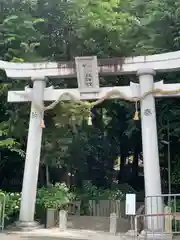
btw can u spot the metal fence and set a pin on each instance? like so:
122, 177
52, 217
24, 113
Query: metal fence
2, 210
161, 218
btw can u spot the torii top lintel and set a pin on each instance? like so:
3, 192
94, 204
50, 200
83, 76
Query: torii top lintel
110, 66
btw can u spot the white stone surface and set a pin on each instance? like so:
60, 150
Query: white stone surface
87, 74
62, 220
33, 150
113, 223
53, 94
159, 62
150, 152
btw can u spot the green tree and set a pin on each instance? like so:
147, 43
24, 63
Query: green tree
44, 30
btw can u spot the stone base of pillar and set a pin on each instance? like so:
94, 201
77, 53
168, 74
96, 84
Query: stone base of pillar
131, 233
148, 235
27, 226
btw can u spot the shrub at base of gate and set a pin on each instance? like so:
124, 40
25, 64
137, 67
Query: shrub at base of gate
91, 192
13, 201
12, 206
55, 197
50, 200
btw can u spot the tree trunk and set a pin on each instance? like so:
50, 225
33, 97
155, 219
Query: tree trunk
41, 177
110, 172
135, 162
47, 176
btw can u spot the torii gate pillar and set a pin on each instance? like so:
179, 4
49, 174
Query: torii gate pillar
31, 170
150, 151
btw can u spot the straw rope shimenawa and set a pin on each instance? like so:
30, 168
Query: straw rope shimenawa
113, 92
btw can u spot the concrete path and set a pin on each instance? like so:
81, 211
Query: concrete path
54, 234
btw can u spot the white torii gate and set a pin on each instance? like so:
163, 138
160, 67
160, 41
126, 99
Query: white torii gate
88, 88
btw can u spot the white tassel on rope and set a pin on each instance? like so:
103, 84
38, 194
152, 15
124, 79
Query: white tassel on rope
89, 120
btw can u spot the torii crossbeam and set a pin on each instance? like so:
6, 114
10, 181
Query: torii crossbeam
87, 72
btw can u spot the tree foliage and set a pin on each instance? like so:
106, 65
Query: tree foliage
44, 30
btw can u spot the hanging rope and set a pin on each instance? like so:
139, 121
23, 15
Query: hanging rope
113, 92
136, 115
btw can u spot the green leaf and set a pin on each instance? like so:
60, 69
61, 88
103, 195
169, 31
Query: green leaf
15, 59
10, 19
38, 20
7, 142
9, 39
28, 24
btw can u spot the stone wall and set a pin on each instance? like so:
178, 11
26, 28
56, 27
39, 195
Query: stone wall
96, 223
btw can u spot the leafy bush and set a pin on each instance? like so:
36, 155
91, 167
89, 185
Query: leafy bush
12, 203
56, 197
91, 192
